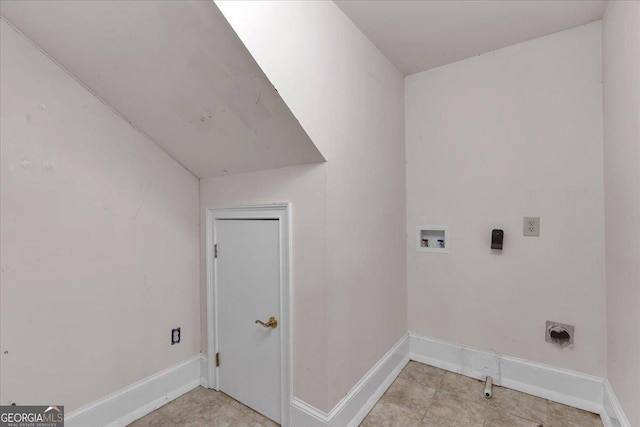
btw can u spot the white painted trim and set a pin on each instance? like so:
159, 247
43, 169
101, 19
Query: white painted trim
559, 385
303, 414
355, 406
137, 400
204, 371
375, 383
211, 308
612, 414
564, 386
556, 384
282, 212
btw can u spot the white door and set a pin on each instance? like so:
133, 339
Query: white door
248, 289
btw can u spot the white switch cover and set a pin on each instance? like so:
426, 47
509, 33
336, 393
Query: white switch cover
531, 226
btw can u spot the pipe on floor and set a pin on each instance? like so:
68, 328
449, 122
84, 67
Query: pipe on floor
488, 388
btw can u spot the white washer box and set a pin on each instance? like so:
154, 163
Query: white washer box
432, 238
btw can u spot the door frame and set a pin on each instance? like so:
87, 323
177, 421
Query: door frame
281, 212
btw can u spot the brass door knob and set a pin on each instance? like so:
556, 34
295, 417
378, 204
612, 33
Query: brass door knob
272, 323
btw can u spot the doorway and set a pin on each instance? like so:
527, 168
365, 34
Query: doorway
248, 306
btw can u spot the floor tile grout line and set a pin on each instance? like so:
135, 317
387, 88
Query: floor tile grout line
433, 398
483, 411
487, 406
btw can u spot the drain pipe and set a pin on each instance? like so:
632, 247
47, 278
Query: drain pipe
488, 388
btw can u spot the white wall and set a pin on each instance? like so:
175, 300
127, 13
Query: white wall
177, 71
99, 241
305, 188
512, 133
621, 62
349, 99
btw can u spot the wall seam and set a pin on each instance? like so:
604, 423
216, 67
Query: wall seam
106, 104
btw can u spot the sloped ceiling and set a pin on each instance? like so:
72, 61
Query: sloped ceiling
418, 35
177, 71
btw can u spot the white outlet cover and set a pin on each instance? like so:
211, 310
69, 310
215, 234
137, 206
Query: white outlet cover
531, 226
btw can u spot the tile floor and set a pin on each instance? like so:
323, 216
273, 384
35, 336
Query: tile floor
203, 407
421, 396
424, 396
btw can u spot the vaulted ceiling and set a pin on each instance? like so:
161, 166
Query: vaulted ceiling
418, 35
175, 70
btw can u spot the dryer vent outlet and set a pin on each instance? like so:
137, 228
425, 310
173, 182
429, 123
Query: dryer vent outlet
559, 334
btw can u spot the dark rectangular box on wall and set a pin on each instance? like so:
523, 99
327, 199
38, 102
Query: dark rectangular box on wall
497, 237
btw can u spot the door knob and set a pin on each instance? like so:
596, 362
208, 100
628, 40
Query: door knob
272, 323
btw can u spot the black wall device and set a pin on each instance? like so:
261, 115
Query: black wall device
496, 239
175, 336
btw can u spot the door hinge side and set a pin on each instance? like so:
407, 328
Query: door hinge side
217, 359
215, 250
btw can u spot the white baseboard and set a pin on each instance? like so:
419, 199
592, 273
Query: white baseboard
139, 399
355, 406
204, 371
571, 388
559, 385
612, 414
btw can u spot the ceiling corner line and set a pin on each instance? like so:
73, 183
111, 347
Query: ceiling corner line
99, 98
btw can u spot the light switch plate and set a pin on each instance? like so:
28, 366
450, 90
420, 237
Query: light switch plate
531, 226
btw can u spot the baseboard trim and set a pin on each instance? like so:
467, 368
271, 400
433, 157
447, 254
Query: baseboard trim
303, 414
564, 386
612, 414
139, 399
559, 385
204, 370
355, 406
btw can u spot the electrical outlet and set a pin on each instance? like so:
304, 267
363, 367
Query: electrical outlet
175, 336
531, 226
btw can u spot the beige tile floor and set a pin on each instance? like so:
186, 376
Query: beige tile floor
424, 396
203, 407
421, 396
